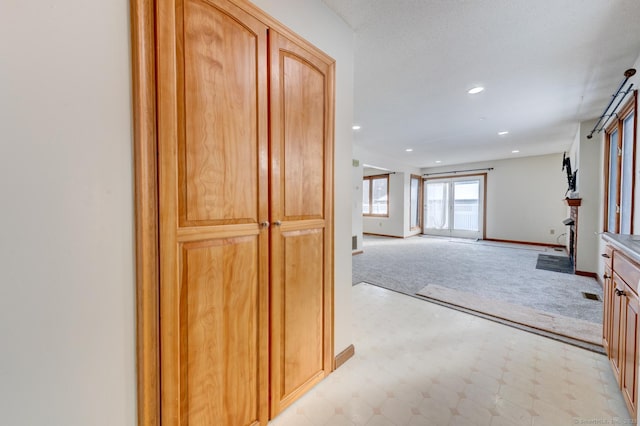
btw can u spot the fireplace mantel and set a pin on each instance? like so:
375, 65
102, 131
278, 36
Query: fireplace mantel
573, 202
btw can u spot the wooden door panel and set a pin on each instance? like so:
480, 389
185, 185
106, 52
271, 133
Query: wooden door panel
630, 373
223, 109
298, 315
303, 89
219, 326
301, 101
301, 105
607, 308
615, 343
302, 309
213, 193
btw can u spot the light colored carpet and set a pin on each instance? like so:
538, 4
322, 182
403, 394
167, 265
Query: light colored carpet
494, 271
573, 328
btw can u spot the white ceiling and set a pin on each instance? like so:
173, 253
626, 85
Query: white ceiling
546, 65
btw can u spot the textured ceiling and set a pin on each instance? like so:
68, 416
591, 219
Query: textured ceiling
546, 65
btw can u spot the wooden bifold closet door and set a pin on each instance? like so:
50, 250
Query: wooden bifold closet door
245, 148
301, 206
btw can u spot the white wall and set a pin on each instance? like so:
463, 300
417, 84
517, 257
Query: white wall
588, 163
67, 292
312, 20
524, 198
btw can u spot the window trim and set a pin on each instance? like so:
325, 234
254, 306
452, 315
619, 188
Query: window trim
420, 212
618, 125
453, 175
371, 179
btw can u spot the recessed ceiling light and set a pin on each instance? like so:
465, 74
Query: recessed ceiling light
515, 151
504, 132
356, 127
438, 161
475, 90
409, 149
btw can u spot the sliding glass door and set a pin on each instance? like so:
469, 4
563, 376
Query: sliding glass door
454, 207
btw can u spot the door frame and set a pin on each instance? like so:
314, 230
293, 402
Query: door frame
420, 202
483, 176
145, 147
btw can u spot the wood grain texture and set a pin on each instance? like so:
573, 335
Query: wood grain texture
629, 382
621, 323
191, 91
167, 185
220, 332
196, 127
301, 105
608, 300
302, 309
616, 342
344, 356
303, 138
224, 108
628, 270
146, 210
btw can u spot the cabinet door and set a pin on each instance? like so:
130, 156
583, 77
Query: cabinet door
617, 323
607, 319
301, 100
213, 146
629, 382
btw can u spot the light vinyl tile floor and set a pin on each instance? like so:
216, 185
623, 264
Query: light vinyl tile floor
419, 363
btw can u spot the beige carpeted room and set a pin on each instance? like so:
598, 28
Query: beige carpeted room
496, 280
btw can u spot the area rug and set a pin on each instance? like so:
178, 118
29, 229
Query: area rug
572, 328
554, 263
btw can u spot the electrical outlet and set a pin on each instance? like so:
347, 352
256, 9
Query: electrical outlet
552, 231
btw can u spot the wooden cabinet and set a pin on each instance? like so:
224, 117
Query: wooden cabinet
607, 290
629, 355
621, 321
245, 152
301, 147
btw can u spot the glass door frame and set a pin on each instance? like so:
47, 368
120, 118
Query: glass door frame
482, 208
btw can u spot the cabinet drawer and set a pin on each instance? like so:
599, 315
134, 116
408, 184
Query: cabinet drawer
627, 270
607, 256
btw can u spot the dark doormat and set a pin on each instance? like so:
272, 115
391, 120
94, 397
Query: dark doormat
554, 263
